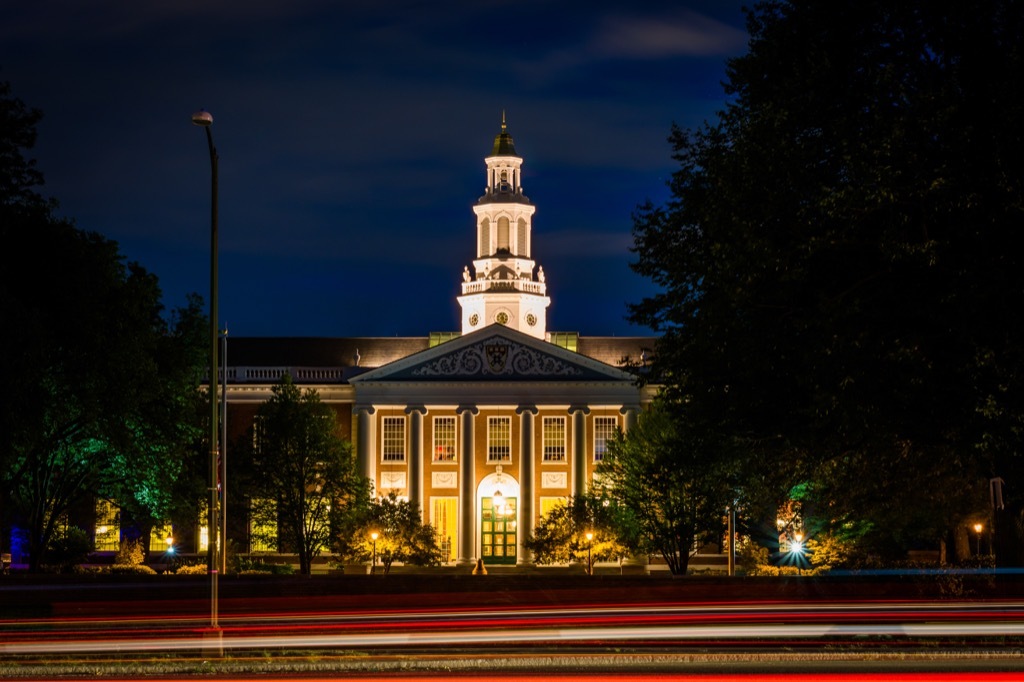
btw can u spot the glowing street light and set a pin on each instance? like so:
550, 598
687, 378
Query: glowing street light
373, 536
977, 532
796, 548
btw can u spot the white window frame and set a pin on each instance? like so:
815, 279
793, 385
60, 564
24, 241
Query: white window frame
445, 435
553, 440
392, 439
494, 433
604, 431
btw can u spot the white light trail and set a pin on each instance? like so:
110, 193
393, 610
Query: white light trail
512, 637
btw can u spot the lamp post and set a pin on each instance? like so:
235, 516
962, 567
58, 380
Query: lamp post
373, 566
204, 119
590, 556
977, 532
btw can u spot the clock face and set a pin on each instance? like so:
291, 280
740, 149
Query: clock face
531, 319
474, 320
501, 318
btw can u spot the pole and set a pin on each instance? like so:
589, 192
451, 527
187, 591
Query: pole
732, 541
214, 449
205, 120
224, 452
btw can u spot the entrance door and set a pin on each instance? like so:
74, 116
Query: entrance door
498, 531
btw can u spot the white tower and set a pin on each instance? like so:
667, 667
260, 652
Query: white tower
502, 289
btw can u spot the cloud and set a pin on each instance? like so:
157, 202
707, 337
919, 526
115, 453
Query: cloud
682, 33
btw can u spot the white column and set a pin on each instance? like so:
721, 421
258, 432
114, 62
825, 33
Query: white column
416, 413
467, 488
525, 520
579, 448
631, 413
366, 445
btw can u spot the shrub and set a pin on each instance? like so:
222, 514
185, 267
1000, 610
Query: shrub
829, 549
131, 569
191, 569
79, 569
752, 557
130, 553
250, 566
69, 549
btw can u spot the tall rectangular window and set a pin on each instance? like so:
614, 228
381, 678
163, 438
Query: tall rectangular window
444, 439
161, 537
499, 439
393, 439
553, 430
108, 527
204, 528
445, 520
604, 431
549, 504
263, 525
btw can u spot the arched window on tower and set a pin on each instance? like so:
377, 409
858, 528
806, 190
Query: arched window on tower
503, 234
522, 239
483, 242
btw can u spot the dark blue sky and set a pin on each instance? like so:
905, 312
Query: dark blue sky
351, 138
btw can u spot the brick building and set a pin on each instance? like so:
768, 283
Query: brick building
485, 428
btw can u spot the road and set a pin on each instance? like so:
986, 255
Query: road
530, 628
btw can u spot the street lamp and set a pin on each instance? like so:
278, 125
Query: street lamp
204, 119
797, 549
590, 559
373, 566
977, 532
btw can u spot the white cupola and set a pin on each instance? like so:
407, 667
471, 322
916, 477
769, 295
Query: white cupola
501, 287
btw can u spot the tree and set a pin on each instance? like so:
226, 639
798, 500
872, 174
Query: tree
842, 285
675, 493
18, 176
401, 536
163, 476
301, 473
562, 534
98, 380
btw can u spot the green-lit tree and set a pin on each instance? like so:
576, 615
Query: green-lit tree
676, 492
97, 379
162, 471
584, 529
301, 474
400, 535
841, 265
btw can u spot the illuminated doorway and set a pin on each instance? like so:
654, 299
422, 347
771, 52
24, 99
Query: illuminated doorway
498, 530
498, 496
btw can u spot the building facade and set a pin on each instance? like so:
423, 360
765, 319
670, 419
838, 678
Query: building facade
483, 429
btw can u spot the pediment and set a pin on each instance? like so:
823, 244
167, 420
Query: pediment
495, 353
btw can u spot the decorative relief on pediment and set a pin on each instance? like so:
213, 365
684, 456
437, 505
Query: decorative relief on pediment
498, 357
